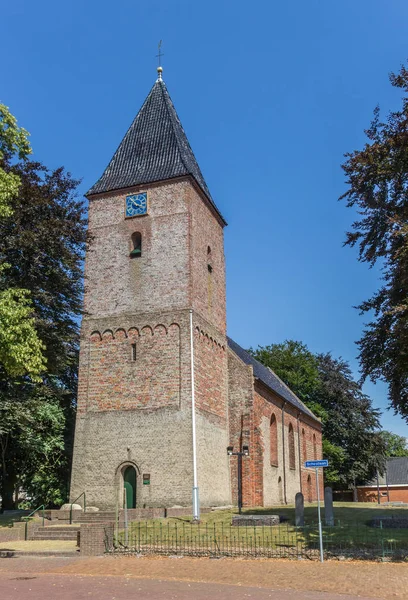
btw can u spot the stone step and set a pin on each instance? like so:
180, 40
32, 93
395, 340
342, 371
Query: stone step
68, 535
94, 517
55, 532
62, 528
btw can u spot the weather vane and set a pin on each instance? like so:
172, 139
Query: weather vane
160, 68
160, 53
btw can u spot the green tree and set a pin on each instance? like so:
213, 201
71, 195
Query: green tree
43, 243
350, 425
377, 177
13, 143
295, 365
21, 350
395, 445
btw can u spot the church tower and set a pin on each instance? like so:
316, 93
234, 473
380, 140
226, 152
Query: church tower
154, 323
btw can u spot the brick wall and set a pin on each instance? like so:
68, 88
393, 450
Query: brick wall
152, 380
396, 494
96, 538
207, 250
12, 534
210, 359
116, 284
267, 480
240, 396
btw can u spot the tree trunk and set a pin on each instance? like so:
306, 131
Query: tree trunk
8, 480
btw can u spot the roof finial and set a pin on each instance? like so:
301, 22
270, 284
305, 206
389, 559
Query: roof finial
159, 68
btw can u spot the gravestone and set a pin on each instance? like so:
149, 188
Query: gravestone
328, 506
299, 510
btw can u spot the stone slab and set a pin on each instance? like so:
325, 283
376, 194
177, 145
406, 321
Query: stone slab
255, 520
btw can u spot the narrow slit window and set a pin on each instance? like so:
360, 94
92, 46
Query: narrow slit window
273, 432
292, 460
133, 353
136, 250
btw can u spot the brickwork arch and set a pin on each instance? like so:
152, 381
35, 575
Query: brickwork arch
119, 479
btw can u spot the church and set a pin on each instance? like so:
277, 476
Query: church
163, 391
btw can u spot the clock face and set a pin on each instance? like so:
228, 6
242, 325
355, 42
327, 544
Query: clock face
136, 205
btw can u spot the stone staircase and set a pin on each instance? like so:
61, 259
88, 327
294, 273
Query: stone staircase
57, 532
102, 516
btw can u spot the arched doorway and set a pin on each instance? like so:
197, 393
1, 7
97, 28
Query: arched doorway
129, 483
309, 489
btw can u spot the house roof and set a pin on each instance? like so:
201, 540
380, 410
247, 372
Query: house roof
155, 148
397, 471
269, 378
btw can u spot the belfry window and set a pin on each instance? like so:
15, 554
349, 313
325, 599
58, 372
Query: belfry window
136, 250
209, 261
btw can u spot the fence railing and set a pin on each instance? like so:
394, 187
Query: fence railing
28, 517
275, 541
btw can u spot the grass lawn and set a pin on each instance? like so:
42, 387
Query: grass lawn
39, 546
214, 533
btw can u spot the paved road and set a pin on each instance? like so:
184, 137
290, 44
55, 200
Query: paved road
40, 586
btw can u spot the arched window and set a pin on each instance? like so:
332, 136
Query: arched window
314, 447
304, 445
292, 463
273, 433
136, 250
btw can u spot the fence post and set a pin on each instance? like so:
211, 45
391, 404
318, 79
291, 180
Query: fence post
126, 519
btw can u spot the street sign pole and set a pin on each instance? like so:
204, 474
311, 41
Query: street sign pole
318, 512
318, 464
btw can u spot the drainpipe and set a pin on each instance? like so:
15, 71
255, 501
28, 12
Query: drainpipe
300, 457
284, 451
196, 503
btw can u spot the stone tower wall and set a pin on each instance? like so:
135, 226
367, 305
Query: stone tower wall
134, 399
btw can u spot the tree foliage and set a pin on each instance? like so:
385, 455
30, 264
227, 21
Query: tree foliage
13, 143
395, 445
20, 347
42, 241
377, 177
351, 439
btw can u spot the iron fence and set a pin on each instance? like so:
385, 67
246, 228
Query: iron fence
185, 538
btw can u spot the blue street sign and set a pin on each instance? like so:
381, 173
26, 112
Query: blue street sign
316, 463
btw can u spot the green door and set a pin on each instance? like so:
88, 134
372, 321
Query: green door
129, 478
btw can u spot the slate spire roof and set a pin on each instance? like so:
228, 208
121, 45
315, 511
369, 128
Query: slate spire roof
155, 148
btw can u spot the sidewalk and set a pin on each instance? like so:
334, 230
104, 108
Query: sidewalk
387, 581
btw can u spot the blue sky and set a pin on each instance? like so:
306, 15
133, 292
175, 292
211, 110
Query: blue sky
271, 95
